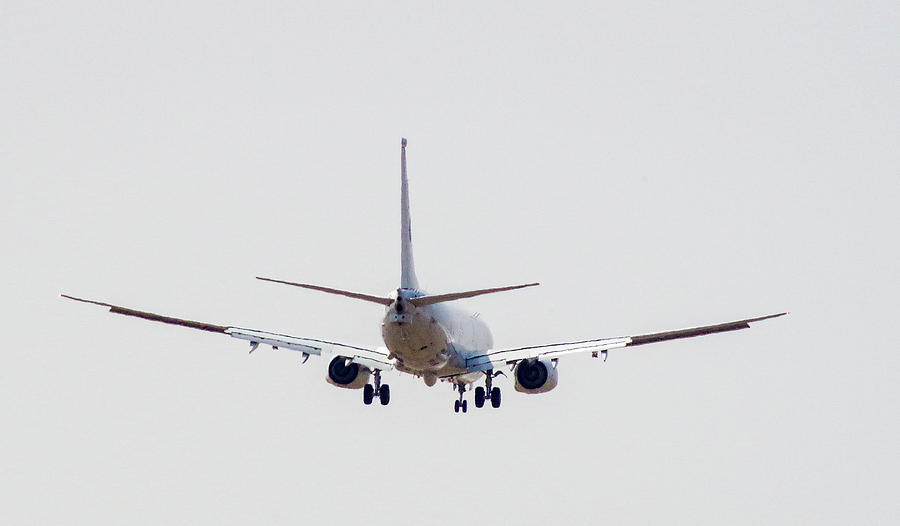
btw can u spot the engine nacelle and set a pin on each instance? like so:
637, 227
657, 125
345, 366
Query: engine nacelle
536, 376
352, 376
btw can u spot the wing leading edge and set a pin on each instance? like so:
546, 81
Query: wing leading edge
366, 357
494, 359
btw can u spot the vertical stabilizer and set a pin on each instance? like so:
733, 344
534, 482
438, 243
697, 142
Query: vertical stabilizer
408, 278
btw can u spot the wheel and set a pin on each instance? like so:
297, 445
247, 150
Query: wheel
384, 394
456, 406
465, 406
368, 394
479, 397
495, 397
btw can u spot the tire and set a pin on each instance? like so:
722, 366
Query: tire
368, 394
479, 397
465, 406
456, 406
384, 394
495, 397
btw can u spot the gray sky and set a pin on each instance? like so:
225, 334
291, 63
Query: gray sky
653, 167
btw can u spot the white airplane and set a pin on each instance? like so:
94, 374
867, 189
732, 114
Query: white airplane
426, 337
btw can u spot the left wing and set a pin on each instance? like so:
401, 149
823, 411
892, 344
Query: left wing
366, 357
495, 359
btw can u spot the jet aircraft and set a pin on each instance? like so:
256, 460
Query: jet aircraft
428, 337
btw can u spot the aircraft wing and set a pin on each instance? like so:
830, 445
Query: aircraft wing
370, 358
496, 359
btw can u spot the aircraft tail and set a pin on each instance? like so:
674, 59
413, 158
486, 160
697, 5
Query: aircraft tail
408, 278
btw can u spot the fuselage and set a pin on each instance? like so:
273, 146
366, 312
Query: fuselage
433, 341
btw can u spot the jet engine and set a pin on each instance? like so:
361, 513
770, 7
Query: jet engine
536, 376
347, 375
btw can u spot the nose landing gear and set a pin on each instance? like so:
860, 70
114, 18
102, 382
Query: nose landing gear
460, 404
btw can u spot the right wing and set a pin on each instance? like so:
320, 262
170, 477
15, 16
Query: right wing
496, 359
370, 358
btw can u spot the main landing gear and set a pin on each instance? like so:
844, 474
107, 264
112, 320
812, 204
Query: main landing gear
481, 394
383, 392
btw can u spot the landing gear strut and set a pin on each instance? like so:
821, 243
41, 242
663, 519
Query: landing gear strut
383, 392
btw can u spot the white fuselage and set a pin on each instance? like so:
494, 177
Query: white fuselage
433, 341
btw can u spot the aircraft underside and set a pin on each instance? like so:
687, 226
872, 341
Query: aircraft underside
421, 346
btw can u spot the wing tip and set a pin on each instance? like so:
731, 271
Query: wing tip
82, 300
769, 317
273, 280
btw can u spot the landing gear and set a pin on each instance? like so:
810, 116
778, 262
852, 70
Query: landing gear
495, 397
490, 393
383, 392
482, 394
479, 397
460, 404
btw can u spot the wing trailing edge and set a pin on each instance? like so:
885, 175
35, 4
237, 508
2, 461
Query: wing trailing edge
699, 331
115, 309
371, 358
494, 359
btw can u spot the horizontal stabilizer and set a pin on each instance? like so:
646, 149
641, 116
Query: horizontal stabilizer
355, 295
421, 301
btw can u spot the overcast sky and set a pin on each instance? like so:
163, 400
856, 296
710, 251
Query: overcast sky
653, 166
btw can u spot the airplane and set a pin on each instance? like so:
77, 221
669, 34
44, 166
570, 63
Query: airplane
427, 337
